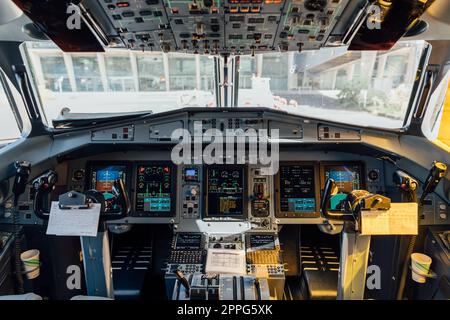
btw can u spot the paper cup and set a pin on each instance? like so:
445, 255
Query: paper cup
30, 260
420, 267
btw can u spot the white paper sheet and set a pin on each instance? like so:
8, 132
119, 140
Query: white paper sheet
400, 219
225, 261
73, 222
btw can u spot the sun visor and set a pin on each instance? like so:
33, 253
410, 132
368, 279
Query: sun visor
63, 23
386, 21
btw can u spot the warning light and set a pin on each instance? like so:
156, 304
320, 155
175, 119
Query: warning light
166, 169
141, 169
122, 4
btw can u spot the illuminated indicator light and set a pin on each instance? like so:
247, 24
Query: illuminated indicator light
233, 9
141, 169
122, 4
214, 10
257, 1
256, 9
245, 9
269, 1
234, 1
245, 1
166, 169
277, 1
193, 6
175, 10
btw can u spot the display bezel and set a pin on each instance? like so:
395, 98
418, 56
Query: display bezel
290, 214
362, 171
173, 194
242, 167
92, 165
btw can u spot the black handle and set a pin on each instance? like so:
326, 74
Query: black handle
23, 170
437, 172
43, 186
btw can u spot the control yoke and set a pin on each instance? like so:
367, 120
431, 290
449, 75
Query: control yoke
437, 172
120, 196
353, 204
45, 184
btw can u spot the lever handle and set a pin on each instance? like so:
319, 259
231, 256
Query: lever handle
184, 282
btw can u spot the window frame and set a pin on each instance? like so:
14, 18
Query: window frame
13, 105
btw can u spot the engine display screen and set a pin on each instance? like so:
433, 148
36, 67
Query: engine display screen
347, 179
188, 241
155, 189
262, 242
297, 192
225, 191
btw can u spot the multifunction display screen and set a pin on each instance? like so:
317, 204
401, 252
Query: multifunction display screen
155, 189
103, 176
347, 179
297, 188
188, 241
225, 191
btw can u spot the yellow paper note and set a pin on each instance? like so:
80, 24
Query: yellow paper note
400, 219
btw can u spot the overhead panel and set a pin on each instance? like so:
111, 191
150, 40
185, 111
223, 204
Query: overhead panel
218, 26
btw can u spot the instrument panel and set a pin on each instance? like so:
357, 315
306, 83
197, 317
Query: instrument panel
162, 192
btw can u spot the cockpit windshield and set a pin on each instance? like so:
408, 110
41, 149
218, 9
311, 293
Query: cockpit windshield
366, 88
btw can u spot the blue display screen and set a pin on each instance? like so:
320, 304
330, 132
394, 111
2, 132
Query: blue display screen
302, 204
103, 177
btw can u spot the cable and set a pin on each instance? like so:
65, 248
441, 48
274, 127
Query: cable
17, 250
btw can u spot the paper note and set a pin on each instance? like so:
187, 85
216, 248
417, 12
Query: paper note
225, 261
73, 222
400, 219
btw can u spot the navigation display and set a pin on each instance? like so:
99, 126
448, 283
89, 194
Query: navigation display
155, 189
347, 179
297, 190
225, 191
188, 241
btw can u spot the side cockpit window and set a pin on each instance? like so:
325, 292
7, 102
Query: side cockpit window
9, 127
436, 123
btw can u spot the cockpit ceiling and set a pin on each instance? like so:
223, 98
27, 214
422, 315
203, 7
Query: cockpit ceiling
223, 26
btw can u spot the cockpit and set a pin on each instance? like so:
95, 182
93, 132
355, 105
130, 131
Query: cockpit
245, 150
